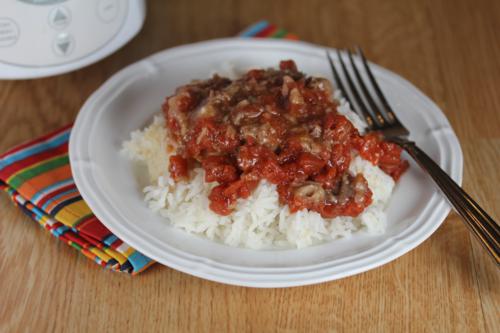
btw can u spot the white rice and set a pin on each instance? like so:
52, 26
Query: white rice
259, 221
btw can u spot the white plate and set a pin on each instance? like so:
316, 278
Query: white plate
109, 183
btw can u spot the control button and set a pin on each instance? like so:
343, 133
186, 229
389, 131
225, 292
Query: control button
59, 17
108, 10
9, 32
64, 44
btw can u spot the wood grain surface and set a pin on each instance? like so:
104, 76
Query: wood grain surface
449, 49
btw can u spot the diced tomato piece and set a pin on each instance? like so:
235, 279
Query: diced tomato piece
241, 188
209, 136
337, 128
328, 178
255, 73
369, 147
391, 162
271, 170
310, 164
288, 65
250, 155
219, 169
178, 167
386, 155
220, 202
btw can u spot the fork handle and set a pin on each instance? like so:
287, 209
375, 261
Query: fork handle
476, 219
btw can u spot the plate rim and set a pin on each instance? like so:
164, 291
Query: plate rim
228, 273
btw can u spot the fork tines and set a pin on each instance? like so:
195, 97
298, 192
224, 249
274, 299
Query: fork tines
372, 106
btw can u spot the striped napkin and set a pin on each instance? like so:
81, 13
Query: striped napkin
37, 177
264, 29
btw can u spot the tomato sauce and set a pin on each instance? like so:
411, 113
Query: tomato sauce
277, 125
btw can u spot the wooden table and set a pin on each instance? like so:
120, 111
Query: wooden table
449, 49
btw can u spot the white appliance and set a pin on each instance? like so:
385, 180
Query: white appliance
47, 37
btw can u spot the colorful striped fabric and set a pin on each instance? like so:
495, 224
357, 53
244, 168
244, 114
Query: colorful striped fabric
37, 177
264, 29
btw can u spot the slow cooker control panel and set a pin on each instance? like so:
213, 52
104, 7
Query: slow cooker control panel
35, 33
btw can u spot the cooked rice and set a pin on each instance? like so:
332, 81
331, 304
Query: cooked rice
259, 221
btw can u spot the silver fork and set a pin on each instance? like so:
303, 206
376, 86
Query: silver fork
384, 120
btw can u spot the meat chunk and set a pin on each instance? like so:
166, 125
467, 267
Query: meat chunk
264, 134
351, 188
244, 113
176, 117
310, 193
320, 84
